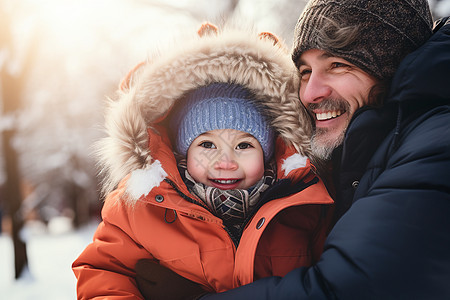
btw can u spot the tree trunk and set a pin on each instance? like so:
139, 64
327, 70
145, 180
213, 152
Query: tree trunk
13, 202
12, 188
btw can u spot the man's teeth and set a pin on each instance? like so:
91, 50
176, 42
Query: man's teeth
328, 115
226, 181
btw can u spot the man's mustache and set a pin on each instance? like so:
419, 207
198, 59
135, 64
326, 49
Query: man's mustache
330, 104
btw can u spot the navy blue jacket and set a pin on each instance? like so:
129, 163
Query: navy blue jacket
393, 238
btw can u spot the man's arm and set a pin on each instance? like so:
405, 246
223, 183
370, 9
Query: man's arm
394, 241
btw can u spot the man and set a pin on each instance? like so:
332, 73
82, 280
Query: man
375, 78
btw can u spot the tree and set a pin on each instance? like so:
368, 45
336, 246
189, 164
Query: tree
11, 86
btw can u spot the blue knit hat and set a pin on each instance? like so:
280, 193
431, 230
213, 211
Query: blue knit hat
220, 106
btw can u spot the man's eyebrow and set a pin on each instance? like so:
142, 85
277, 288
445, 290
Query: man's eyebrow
326, 55
323, 56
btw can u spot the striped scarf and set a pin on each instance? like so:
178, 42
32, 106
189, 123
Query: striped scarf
232, 206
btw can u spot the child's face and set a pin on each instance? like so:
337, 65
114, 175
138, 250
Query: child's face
226, 159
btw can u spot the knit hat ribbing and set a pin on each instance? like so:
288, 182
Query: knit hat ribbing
388, 31
220, 106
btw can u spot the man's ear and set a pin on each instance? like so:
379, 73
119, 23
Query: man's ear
207, 29
126, 81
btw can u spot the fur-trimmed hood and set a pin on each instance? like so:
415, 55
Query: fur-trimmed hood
258, 62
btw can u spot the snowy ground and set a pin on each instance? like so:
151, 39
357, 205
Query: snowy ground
50, 255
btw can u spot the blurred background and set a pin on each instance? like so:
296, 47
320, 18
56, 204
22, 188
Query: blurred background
59, 61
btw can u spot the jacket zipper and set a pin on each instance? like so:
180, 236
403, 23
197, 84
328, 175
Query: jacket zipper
184, 196
266, 199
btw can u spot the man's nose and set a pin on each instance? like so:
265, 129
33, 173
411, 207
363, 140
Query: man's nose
226, 162
315, 89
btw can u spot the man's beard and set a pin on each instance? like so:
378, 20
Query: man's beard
324, 150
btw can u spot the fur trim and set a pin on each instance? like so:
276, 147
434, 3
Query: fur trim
230, 56
141, 182
293, 162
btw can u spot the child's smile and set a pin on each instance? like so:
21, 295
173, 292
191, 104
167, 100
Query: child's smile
225, 184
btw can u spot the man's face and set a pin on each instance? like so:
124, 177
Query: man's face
331, 89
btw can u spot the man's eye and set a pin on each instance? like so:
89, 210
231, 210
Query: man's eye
244, 146
304, 73
209, 145
339, 65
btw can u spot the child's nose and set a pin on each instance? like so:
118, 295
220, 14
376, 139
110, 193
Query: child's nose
226, 162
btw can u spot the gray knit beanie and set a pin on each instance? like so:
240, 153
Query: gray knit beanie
220, 106
388, 31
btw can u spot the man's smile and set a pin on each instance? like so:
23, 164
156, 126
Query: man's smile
322, 116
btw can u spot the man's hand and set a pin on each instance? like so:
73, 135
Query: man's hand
157, 282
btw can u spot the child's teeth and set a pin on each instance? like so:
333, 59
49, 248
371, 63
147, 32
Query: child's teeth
226, 181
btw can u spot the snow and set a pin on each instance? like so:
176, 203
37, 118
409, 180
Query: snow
51, 251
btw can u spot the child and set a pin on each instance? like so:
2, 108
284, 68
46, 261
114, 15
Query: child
235, 199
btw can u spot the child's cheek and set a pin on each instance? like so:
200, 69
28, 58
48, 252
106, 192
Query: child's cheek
254, 169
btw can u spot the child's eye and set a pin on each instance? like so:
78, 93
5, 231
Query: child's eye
244, 146
209, 145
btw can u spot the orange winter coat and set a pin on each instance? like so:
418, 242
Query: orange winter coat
285, 233
149, 213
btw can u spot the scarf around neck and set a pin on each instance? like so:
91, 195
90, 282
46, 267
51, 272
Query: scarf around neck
232, 206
